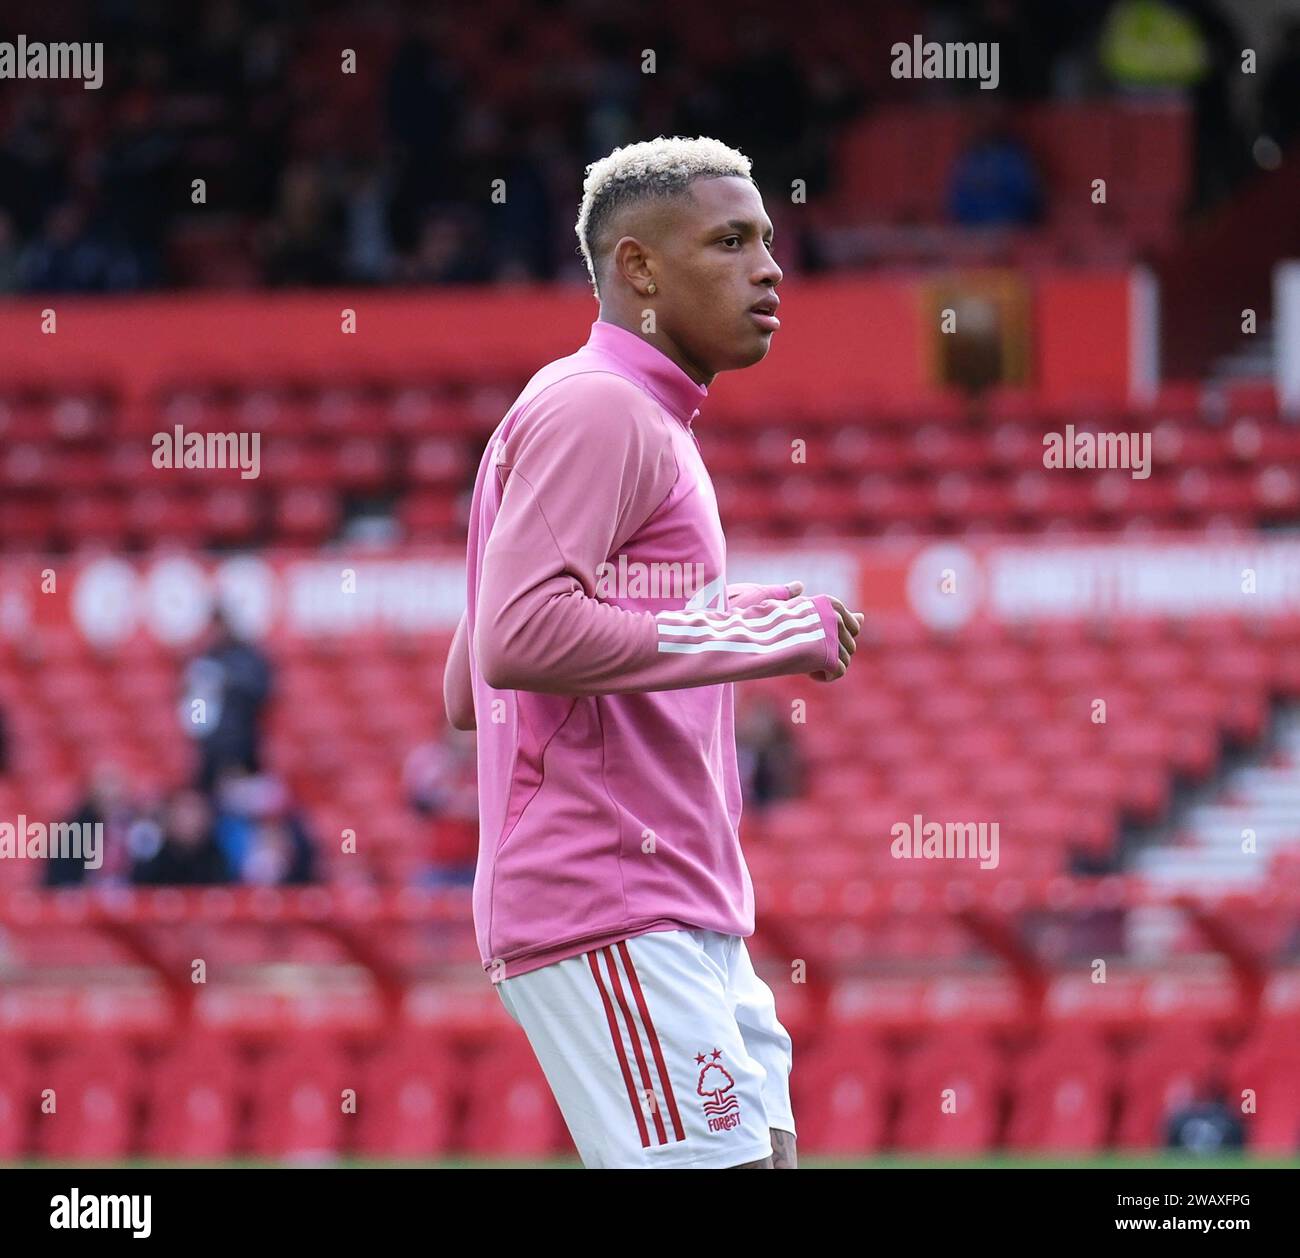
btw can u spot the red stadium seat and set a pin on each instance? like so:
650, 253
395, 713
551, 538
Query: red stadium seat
19, 1097
510, 1109
407, 1098
297, 1101
1169, 1069
94, 1086
1061, 1093
194, 1100
1265, 1071
950, 1092
841, 1094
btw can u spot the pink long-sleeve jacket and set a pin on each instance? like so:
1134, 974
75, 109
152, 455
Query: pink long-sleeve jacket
597, 656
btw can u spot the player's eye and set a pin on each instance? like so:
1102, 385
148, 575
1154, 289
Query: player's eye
727, 238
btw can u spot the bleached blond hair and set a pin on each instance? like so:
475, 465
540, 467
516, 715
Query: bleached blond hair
660, 168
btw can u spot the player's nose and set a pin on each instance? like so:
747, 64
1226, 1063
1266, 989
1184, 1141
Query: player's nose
769, 273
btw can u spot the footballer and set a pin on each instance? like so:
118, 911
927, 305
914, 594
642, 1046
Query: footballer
611, 897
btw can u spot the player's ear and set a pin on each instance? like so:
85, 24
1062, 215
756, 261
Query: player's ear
631, 264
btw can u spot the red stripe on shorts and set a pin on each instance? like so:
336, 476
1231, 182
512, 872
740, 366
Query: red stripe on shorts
619, 1051
654, 1041
646, 1085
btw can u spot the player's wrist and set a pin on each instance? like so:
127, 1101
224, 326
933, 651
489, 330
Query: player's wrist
829, 654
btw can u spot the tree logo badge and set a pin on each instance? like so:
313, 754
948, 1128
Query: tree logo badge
715, 1084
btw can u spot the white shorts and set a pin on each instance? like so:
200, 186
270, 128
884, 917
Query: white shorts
663, 1050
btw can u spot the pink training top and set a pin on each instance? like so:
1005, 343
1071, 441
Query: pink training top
609, 797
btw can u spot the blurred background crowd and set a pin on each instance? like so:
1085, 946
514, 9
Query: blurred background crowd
383, 176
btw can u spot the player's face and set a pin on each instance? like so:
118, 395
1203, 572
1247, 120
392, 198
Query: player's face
716, 266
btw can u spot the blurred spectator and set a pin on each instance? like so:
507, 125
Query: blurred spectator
450, 250
766, 100
994, 183
106, 803
368, 253
74, 256
1188, 47
33, 176
522, 228
261, 835
1152, 44
1029, 36
1281, 97
232, 679
768, 759
9, 255
1088, 861
423, 105
136, 176
96, 186
1209, 1125
183, 850
1220, 150
303, 243
440, 780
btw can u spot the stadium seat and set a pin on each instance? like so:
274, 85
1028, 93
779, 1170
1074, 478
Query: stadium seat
1168, 1069
19, 1097
408, 1097
950, 1094
194, 1099
510, 1111
1061, 1093
841, 1094
95, 1086
297, 1101
1267, 1066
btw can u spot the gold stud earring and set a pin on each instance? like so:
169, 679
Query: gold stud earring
651, 287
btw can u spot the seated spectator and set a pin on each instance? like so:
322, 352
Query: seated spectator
440, 781
1152, 44
302, 245
1280, 99
1207, 1124
183, 850
106, 803
994, 183
448, 250
768, 760
75, 255
260, 833
10, 253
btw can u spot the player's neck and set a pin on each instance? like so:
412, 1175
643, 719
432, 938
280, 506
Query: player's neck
662, 342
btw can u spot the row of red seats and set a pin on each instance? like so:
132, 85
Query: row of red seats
448, 462
933, 728
421, 1094
1071, 1092
470, 408
810, 506
1026, 501
895, 164
909, 449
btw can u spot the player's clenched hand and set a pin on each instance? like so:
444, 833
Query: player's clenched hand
850, 624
